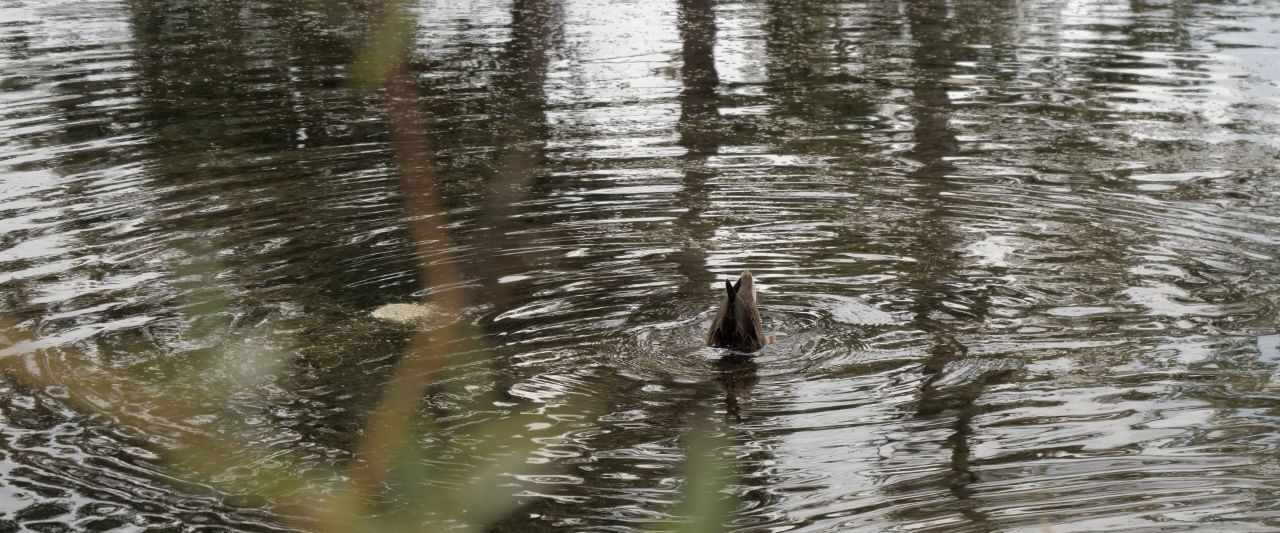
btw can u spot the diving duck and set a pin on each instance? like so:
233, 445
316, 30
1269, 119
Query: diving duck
737, 323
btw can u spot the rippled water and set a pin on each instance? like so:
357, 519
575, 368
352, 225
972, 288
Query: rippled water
1019, 258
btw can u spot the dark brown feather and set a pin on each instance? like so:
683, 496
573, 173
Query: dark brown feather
737, 323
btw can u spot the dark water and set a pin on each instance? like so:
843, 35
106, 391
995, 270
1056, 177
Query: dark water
1020, 258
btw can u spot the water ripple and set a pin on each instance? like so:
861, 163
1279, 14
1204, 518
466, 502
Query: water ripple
1018, 261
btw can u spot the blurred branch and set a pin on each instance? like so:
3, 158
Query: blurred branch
702, 503
389, 424
385, 52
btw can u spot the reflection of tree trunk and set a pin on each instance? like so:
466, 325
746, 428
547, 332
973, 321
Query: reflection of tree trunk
698, 103
935, 141
799, 65
699, 135
520, 123
520, 104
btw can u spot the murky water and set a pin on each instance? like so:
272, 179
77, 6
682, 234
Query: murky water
1020, 258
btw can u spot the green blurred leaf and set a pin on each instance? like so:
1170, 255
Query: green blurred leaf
704, 505
385, 50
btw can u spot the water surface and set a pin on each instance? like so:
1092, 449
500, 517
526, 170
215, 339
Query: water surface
1019, 258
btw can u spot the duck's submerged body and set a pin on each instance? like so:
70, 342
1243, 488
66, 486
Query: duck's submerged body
736, 325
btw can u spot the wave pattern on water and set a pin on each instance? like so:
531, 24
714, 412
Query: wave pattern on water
1020, 258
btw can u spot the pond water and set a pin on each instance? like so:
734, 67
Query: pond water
1019, 257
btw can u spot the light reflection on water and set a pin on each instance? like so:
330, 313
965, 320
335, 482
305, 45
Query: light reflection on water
1019, 257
